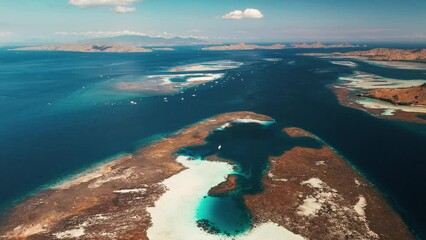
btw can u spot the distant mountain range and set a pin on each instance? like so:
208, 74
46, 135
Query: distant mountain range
243, 46
136, 43
125, 43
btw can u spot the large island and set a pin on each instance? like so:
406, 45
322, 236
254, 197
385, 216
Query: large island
309, 193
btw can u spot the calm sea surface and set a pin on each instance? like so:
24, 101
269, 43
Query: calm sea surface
59, 114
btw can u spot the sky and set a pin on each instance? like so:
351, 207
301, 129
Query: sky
215, 20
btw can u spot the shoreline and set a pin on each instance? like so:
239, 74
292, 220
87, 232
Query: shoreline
81, 172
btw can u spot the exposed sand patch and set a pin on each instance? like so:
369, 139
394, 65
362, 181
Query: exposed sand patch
207, 66
73, 233
314, 182
389, 107
309, 207
246, 120
360, 206
345, 63
362, 80
169, 83
312, 204
399, 64
134, 190
273, 59
388, 112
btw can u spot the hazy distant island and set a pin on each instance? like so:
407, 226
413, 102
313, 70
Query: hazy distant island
243, 46
137, 196
86, 48
130, 43
150, 41
125, 43
379, 54
321, 45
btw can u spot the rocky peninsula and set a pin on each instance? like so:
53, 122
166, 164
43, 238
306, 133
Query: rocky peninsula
390, 54
377, 55
400, 96
383, 97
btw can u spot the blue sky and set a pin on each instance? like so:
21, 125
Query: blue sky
268, 20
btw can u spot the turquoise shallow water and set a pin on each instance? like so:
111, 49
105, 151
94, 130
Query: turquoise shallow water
248, 146
225, 215
41, 142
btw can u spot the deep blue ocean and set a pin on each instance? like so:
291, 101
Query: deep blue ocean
59, 115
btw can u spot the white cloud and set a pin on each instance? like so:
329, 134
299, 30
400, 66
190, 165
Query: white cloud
122, 9
248, 13
5, 34
120, 6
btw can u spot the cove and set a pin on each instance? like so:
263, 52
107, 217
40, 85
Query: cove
248, 146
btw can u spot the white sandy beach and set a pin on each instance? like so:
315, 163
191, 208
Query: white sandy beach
173, 216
